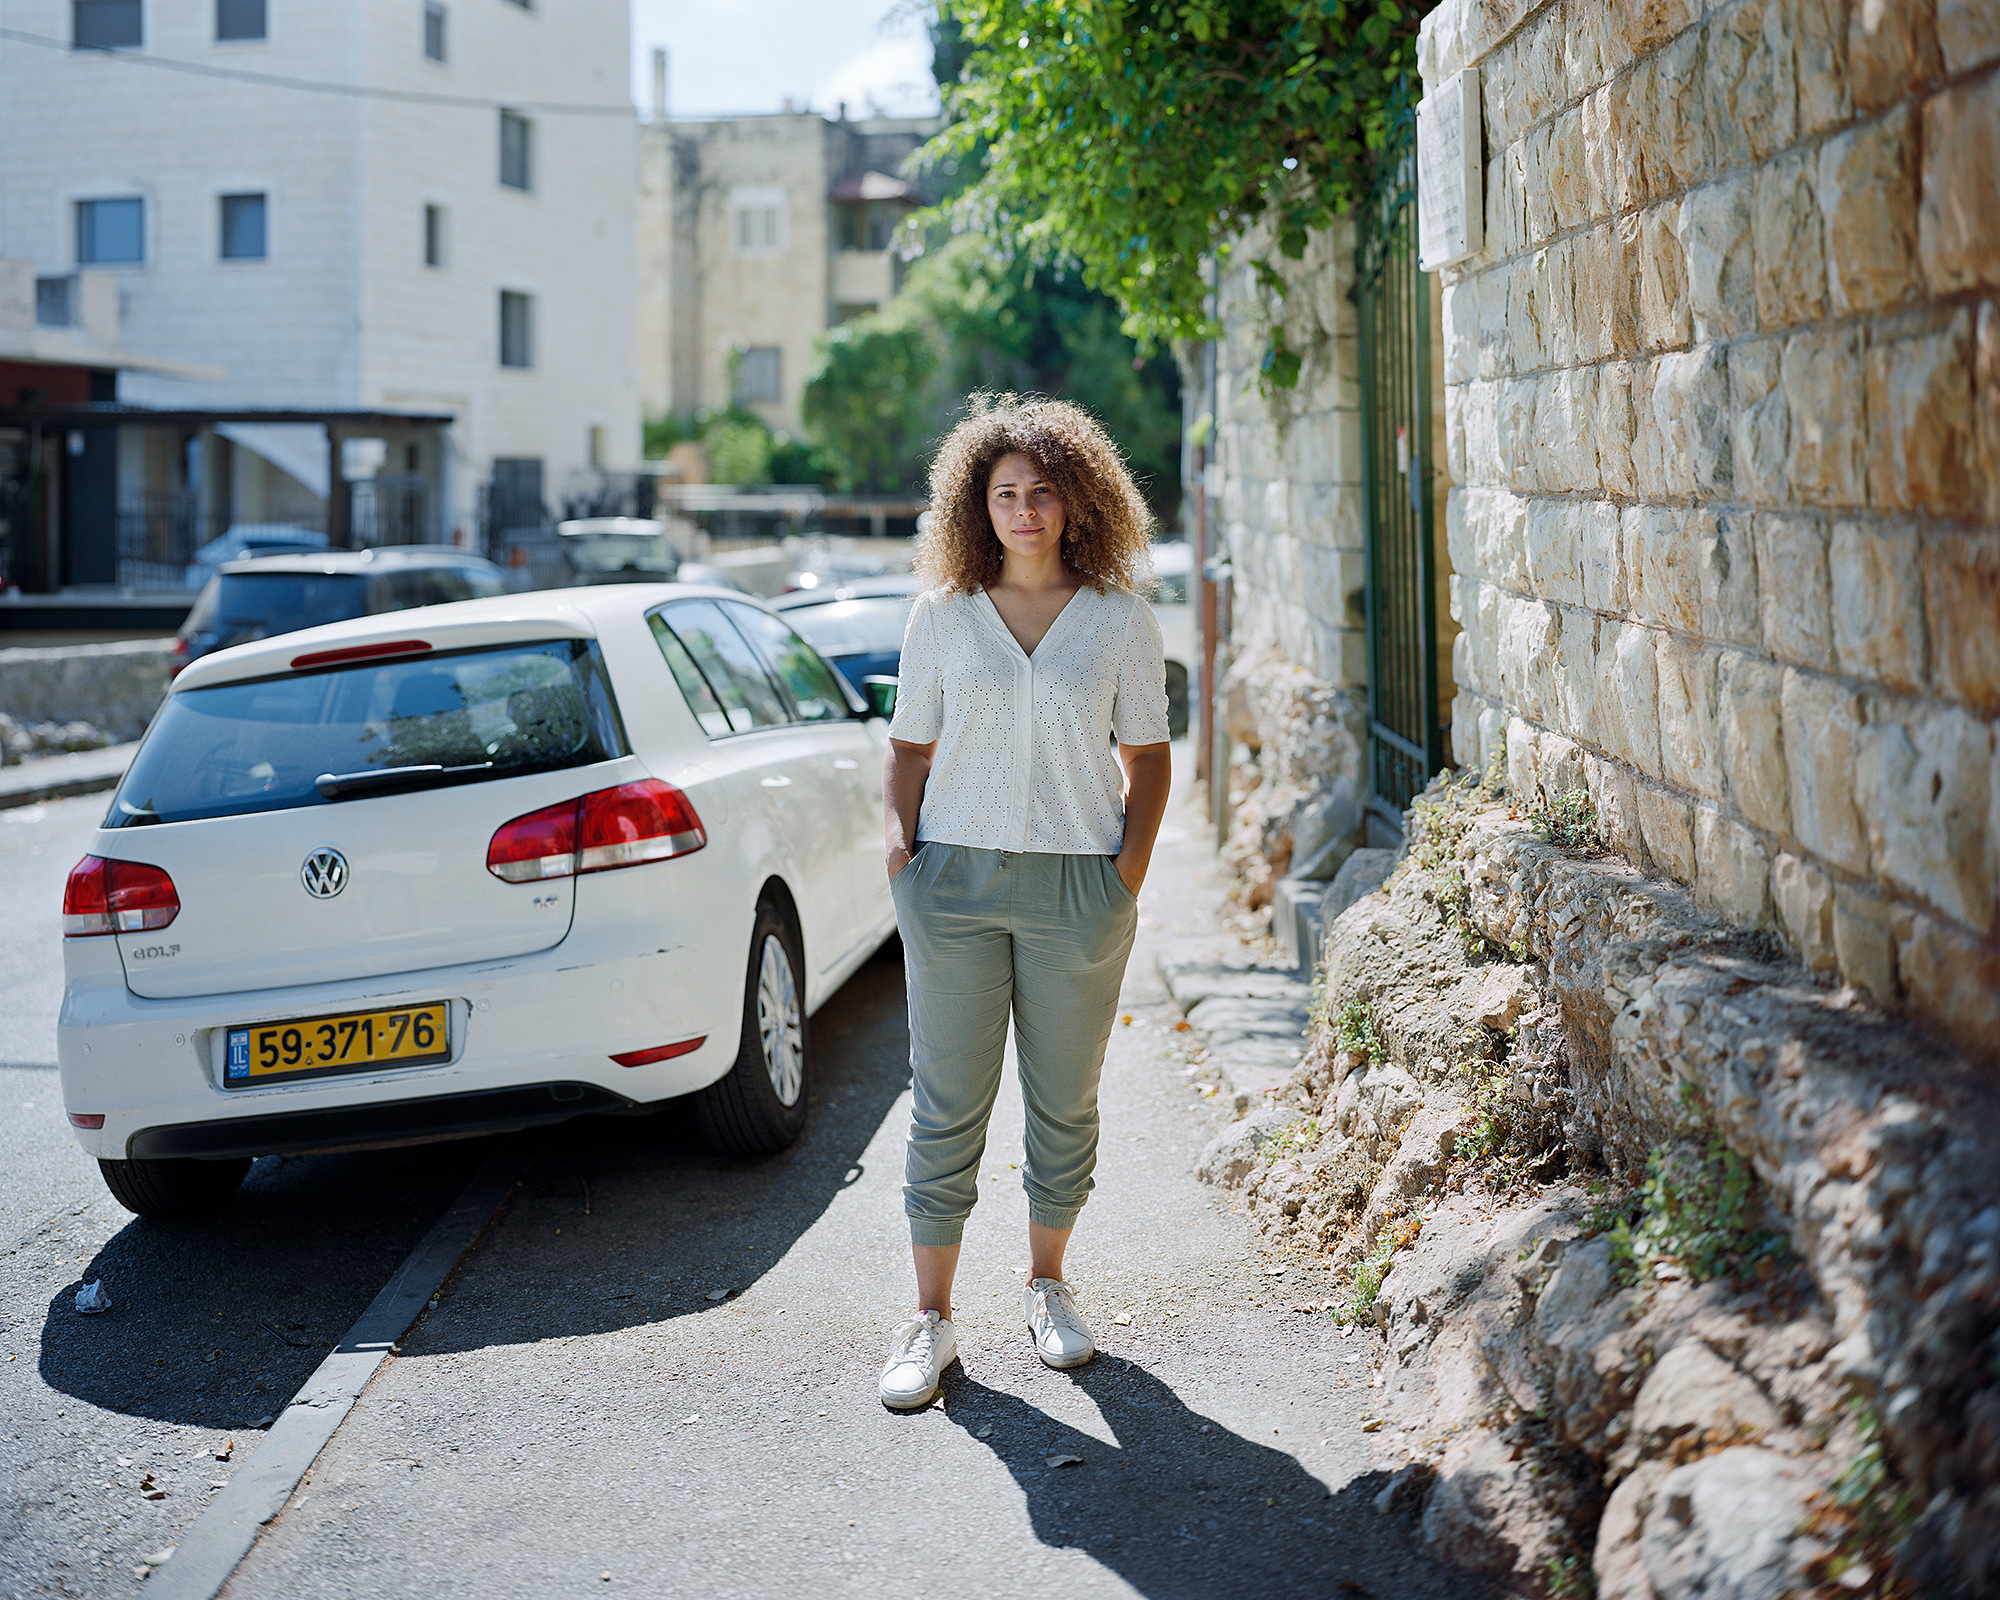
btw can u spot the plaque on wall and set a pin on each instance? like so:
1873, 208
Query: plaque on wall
1451, 189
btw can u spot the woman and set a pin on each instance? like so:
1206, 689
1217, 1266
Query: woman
1017, 838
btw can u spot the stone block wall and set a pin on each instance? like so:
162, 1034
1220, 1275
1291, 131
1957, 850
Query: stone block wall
1723, 400
1291, 496
114, 687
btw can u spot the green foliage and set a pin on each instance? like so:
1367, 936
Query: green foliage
1697, 1208
1493, 784
1375, 1266
1298, 1139
1570, 1577
741, 447
884, 387
1569, 821
869, 401
1138, 137
1354, 1029
738, 451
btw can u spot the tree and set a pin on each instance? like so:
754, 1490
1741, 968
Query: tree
868, 400
1138, 137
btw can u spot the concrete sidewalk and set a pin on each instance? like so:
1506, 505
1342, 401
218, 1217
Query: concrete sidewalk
58, 777
656, 1373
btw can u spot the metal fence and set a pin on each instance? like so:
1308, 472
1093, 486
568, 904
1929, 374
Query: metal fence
1406, 745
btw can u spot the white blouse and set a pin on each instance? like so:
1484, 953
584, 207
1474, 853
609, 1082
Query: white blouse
1025, 759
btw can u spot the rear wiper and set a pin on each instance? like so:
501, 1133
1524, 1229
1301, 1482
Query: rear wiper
339, 785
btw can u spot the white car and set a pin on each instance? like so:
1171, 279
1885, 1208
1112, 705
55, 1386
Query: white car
479, 867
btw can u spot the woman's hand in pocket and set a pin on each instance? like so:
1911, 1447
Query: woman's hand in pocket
1130, 873
897, 859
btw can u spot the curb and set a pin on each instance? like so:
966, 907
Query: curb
61, 777
1251, 1020
225, 1532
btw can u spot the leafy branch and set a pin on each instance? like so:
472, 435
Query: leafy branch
1138, 138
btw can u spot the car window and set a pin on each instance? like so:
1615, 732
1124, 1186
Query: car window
854, 627
480, 583
497, 712
730, 667
694, 687
809, 680
253, 605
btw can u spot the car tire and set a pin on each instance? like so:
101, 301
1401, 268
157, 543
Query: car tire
1177, 700
173, 1188
760, 1106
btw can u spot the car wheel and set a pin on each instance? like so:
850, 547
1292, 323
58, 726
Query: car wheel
172, 1188
1177, 700
760, 1106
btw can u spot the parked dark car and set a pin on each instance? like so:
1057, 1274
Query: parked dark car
859, 628
265, 595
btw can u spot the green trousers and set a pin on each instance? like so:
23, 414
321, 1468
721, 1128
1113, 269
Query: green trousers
987, 933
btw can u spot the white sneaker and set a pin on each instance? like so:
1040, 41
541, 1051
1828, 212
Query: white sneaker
918, 1354
1062, 1338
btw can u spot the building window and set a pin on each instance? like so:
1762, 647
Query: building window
110, 231
433, 236
239, 19
433, 31
243, 227
516, 140
757, 375
757, 226
104, 24
517, 329
55, 302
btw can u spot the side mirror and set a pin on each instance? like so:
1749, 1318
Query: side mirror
880, 694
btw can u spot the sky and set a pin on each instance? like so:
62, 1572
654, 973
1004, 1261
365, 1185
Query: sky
727, 56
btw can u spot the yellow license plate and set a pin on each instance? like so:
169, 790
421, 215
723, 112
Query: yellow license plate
404, 1036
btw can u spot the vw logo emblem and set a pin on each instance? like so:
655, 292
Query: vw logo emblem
325, 873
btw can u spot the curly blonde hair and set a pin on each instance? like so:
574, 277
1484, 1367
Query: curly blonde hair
1107, 530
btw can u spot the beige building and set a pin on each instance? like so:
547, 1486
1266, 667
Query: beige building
756, 234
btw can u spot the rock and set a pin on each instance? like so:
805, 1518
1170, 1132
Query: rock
1620, 1564
1323, 831
1694, 1393
1362, 873
1483, 1512
1503, 994
1722, 1528
1232, 1154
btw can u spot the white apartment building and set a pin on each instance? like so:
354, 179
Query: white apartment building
382, 207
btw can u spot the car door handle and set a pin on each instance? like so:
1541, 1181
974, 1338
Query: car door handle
776, 783
844, 765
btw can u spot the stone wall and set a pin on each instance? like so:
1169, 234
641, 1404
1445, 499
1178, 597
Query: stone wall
114, 687
1724, 396
1292, 498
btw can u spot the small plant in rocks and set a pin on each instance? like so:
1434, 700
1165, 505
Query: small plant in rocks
1568, 821
1697, 1210
1375, 1266
1354, 1029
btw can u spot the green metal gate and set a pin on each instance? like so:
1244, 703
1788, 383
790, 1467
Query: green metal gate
1406, 745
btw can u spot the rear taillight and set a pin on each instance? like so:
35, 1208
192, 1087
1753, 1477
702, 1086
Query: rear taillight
635, 822
540, 845
181, 657
621, 827
117, 897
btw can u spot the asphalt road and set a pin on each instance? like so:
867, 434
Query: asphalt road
216, 1322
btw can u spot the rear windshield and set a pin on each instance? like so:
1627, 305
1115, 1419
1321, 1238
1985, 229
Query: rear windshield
250, 604
243, 747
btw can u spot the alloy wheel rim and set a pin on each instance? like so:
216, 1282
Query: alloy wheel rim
779, 1023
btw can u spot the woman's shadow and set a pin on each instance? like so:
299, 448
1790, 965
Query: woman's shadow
1181, 1506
